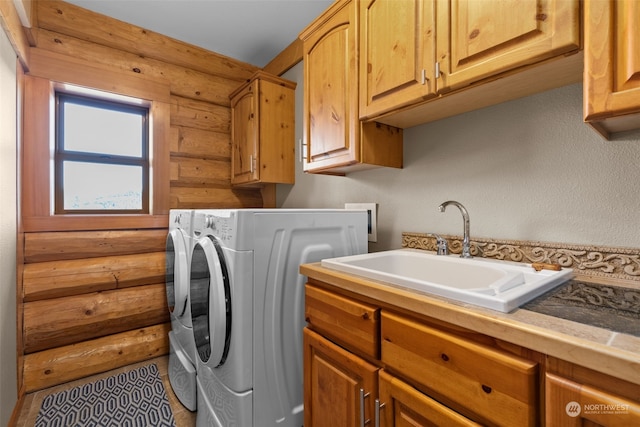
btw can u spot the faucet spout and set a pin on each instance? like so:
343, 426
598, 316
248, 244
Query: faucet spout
466, 246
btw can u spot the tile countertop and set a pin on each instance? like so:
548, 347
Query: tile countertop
602, 350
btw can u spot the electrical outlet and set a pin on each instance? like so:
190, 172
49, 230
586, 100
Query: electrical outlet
372, 211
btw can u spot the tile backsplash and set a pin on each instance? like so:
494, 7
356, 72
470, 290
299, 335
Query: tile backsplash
621, 265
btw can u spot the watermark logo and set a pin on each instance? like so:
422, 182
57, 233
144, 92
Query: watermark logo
573, 409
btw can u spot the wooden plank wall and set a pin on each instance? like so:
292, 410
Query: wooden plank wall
95, 300
92, 301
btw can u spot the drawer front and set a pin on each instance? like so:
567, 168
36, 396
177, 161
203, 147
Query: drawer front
404, 406
352, 324
485, 384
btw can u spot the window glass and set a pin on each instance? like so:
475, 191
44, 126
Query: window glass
100, 130
101, 156
94, 186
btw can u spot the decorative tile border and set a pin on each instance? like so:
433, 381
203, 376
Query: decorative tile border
605, 262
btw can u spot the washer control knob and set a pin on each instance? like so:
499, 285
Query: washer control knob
209, 222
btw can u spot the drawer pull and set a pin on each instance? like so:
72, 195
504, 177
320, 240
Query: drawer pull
444, 357
486, 388
363, 395
377, 412
365, 316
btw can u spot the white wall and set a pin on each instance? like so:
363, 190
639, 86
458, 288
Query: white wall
528, 169
8, 378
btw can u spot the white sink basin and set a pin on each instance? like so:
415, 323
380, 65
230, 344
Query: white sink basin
498, 285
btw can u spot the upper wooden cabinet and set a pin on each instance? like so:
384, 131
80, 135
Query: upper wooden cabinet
415, 50
397, 54
612, 65
480, 39
262, 131
336, 142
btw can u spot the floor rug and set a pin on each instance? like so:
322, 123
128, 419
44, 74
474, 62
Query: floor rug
135, 398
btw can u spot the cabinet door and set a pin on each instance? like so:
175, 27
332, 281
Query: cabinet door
244, 135
397, 53
404, 406
333, 378
612, 63
331, 123
480, 39
572, 404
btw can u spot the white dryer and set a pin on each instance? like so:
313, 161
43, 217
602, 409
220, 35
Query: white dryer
249, 334
182, 369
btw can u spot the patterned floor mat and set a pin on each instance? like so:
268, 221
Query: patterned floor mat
133, 398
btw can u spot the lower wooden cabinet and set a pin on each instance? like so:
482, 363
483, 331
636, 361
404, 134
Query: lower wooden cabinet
569, 403
339, 387
370, 363
342, 389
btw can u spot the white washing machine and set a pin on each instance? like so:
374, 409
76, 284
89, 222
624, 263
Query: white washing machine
249, 335
182, 362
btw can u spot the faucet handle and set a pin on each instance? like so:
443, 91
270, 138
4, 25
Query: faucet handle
441, 244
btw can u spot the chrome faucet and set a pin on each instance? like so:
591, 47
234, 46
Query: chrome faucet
466, 246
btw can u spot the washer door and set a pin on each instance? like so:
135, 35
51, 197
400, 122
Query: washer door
210, 301
177, 273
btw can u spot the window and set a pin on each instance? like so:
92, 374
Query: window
51, 75
101, 159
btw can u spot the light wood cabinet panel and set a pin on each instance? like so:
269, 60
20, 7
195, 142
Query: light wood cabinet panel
478, 39
397, 54
244, 135
262, 131
331, 90
477, 380
612, 65
404, 406
569, 404
333, 133
351, 323
423, 60
333, 378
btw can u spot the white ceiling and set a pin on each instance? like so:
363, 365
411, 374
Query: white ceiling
252, 31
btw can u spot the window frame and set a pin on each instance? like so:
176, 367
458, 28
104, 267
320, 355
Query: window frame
61, 154
49, 72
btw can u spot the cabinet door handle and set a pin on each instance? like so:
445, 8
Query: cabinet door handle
363, 395
377, 412
251, 163
437, 70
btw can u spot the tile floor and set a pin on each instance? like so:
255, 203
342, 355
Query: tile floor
32, 401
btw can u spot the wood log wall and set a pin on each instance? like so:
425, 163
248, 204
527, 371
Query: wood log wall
95, 300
